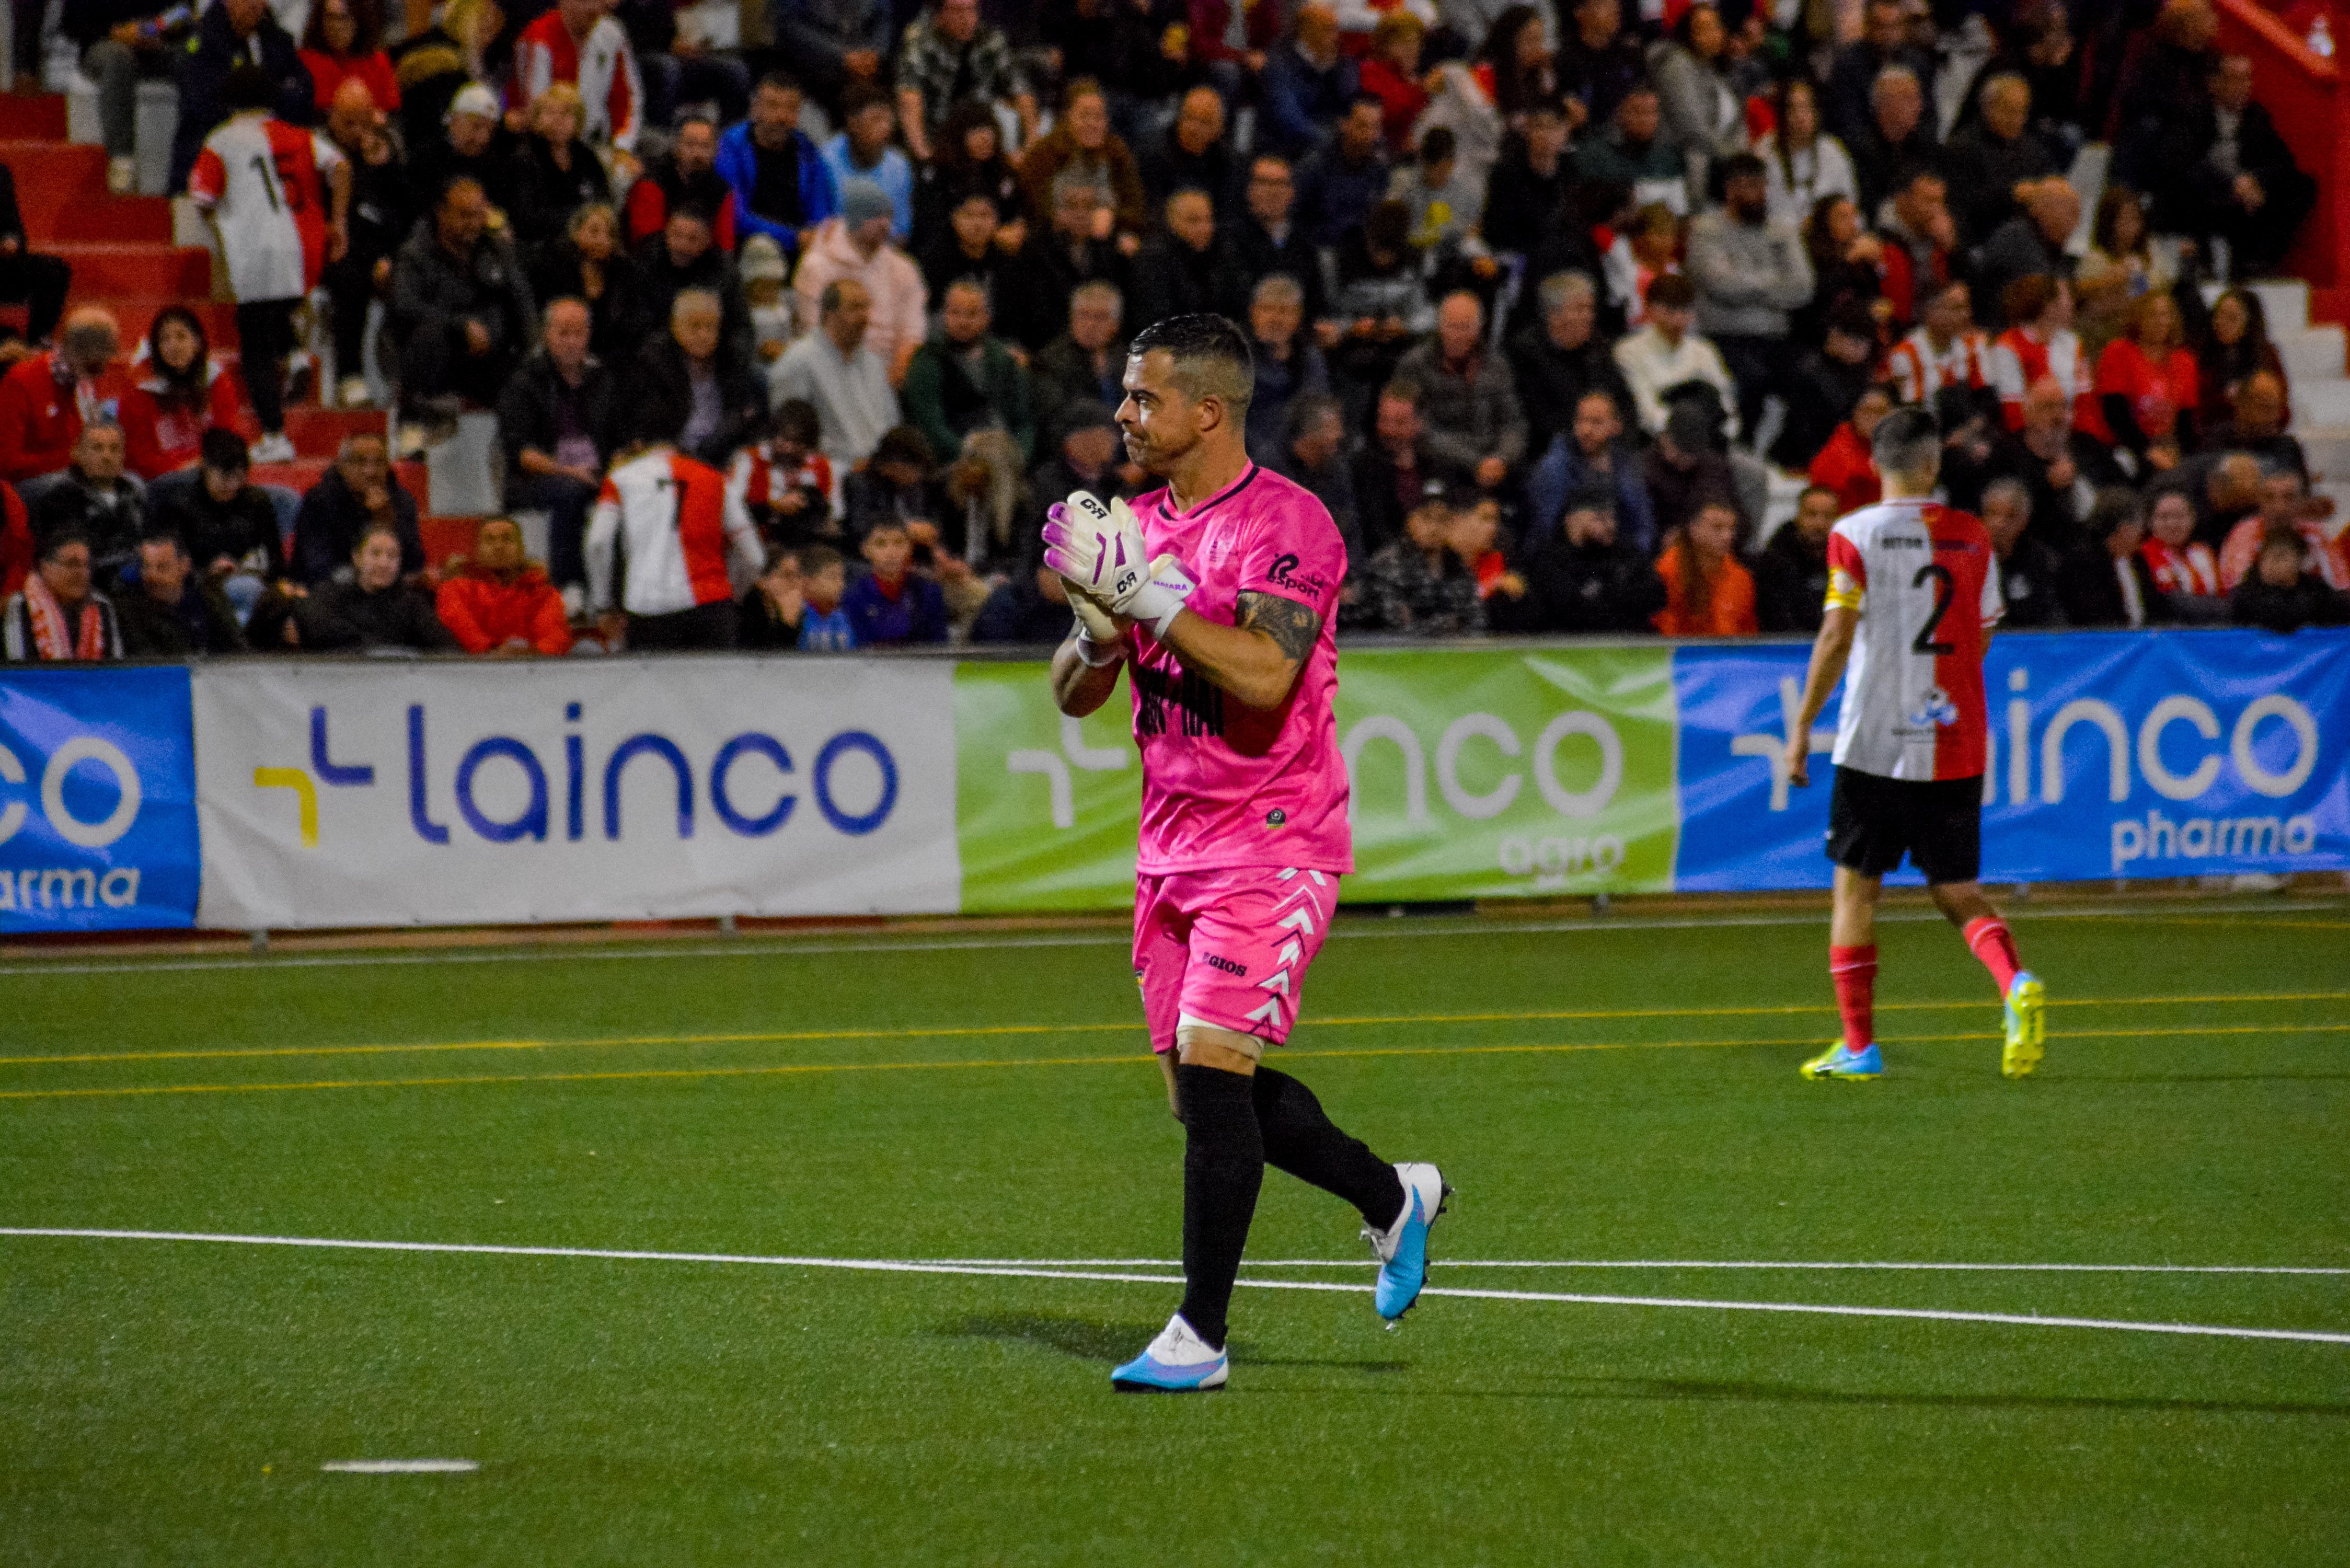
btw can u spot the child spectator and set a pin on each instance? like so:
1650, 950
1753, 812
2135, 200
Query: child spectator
500, 605
182, 395
2185, 570
1446, 205
1709, 592
890, 606
263, 186
826, 627
2280, 593
1030, 609
772, 610
783, 482
773, 322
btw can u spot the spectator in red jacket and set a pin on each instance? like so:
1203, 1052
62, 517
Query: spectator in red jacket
179, 394
15, 541
45, 399
500, 605
1843, 464
344, 42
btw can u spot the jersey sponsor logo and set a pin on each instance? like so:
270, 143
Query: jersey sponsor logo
1284, 573
1937, 709
1218, 960
1195, 706
1901, 542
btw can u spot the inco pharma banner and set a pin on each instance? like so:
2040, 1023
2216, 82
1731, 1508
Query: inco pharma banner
97, 801
355, 794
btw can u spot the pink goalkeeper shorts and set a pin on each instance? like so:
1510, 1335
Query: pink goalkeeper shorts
1228, 947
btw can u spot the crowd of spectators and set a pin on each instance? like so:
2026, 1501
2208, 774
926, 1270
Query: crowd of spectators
789, 342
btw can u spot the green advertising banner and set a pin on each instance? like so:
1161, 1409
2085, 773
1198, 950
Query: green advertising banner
1477, 774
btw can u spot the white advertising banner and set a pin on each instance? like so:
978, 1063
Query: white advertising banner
577, 789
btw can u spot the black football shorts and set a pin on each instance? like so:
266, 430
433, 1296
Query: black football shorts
1874, 821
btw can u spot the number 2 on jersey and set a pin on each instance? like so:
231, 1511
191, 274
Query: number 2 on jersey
1945, 589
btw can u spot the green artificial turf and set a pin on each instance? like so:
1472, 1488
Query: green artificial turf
171, 1402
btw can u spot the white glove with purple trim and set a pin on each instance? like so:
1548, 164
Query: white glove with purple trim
1099, 550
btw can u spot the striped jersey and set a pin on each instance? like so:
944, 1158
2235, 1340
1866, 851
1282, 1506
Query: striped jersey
264, 183
603, 67
1920, 575
1919, 371
2018, 359
677, 530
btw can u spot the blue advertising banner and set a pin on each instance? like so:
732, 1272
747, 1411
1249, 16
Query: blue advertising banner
2113, 755
98, 800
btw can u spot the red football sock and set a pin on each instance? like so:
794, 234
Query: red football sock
1990, 943
1854, 969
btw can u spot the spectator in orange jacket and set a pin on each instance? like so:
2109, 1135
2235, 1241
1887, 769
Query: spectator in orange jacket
45, 399
500, 605
1709, 591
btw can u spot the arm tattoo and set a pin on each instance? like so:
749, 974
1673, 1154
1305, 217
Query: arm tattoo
1291, 625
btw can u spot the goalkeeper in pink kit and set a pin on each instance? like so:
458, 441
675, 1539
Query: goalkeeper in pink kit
1215, 594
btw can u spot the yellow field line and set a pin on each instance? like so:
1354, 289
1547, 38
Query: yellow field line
985, 1030
1131, 1057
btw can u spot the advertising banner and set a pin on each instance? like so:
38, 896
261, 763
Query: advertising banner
97, 801
359, 795
2112, 755
1476, 774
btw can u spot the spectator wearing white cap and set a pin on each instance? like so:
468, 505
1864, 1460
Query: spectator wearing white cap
473, 143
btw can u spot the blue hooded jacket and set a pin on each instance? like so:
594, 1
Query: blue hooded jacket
738, 165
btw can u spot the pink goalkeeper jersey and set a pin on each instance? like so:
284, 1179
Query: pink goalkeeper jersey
1223, 785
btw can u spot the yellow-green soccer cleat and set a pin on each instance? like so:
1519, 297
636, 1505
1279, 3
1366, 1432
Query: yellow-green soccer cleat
1851, 1066
2027, 1025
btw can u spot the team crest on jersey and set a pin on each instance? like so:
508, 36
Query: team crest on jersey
1938, 709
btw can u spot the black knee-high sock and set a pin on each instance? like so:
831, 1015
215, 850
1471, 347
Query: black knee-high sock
1224, 1166
1300, 1138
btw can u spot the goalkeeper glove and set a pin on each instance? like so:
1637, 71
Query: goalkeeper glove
1101, 549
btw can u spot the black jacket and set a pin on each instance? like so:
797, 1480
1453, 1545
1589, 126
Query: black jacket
112, 517
544, 196
757, 624
661, 377
663, 280
1791, 582
2092, 591
1582, 589
2028, 583
2308, 602
1261, 256
1550, 380
1035, 308
1983, 172
433, 291
327, 529
431, 167
1820, 393
618, 318
12, 221
1522, 204
204, 77
526, 413
201, 622
343, 615
1170, 278
243, 528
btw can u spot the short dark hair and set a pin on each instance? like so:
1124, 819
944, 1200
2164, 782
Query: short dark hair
903, 444
781, 81
1362, 98
1589, 498
53, 545
223, 451
248, 86
859, 97
1438, 145
2026, 297
815, 559
1742, 166
1672, 291
1210, 353
1908, 441
796, 420
1811, 490
163, 536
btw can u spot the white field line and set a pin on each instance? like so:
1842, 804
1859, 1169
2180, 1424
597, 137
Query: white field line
914, 1266
402, 1467
1678, 1263
1344, 930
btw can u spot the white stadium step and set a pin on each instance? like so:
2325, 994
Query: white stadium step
2327, 449
2286, 301
2312, 354
2317, 403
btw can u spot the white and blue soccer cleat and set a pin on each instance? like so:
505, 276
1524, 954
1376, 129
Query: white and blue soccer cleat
1840, 1060
1178, 1362
1402, 1247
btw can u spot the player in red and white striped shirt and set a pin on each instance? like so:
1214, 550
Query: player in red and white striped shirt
1944, 350
686, 547
280, 197
576, 43
1913, 593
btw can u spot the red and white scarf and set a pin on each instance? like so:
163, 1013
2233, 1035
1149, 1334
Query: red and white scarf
50, 634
